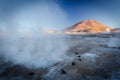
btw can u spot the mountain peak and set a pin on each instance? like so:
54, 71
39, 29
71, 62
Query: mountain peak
89, 26
90, 22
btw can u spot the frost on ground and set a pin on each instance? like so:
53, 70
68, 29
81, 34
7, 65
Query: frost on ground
89, 58
114, 42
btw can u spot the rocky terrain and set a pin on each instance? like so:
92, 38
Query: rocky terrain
89, 58
93, 53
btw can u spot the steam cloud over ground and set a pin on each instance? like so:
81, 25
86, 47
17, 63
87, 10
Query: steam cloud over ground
33, 48
25, 41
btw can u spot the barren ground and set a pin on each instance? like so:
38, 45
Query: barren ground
89, 58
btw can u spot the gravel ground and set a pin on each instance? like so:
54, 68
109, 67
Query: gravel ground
88, 59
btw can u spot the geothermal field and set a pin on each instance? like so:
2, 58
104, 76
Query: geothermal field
59, 39
61, 57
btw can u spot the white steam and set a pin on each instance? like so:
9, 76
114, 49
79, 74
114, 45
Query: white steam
25, 42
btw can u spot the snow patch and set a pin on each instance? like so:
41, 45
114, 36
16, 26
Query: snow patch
89, 57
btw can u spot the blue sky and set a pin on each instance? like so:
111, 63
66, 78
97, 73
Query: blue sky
105, 11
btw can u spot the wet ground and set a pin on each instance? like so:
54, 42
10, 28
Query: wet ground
89, 58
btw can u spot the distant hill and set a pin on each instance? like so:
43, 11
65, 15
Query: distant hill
88, 26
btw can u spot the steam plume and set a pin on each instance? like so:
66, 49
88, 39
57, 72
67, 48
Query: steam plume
25, 41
